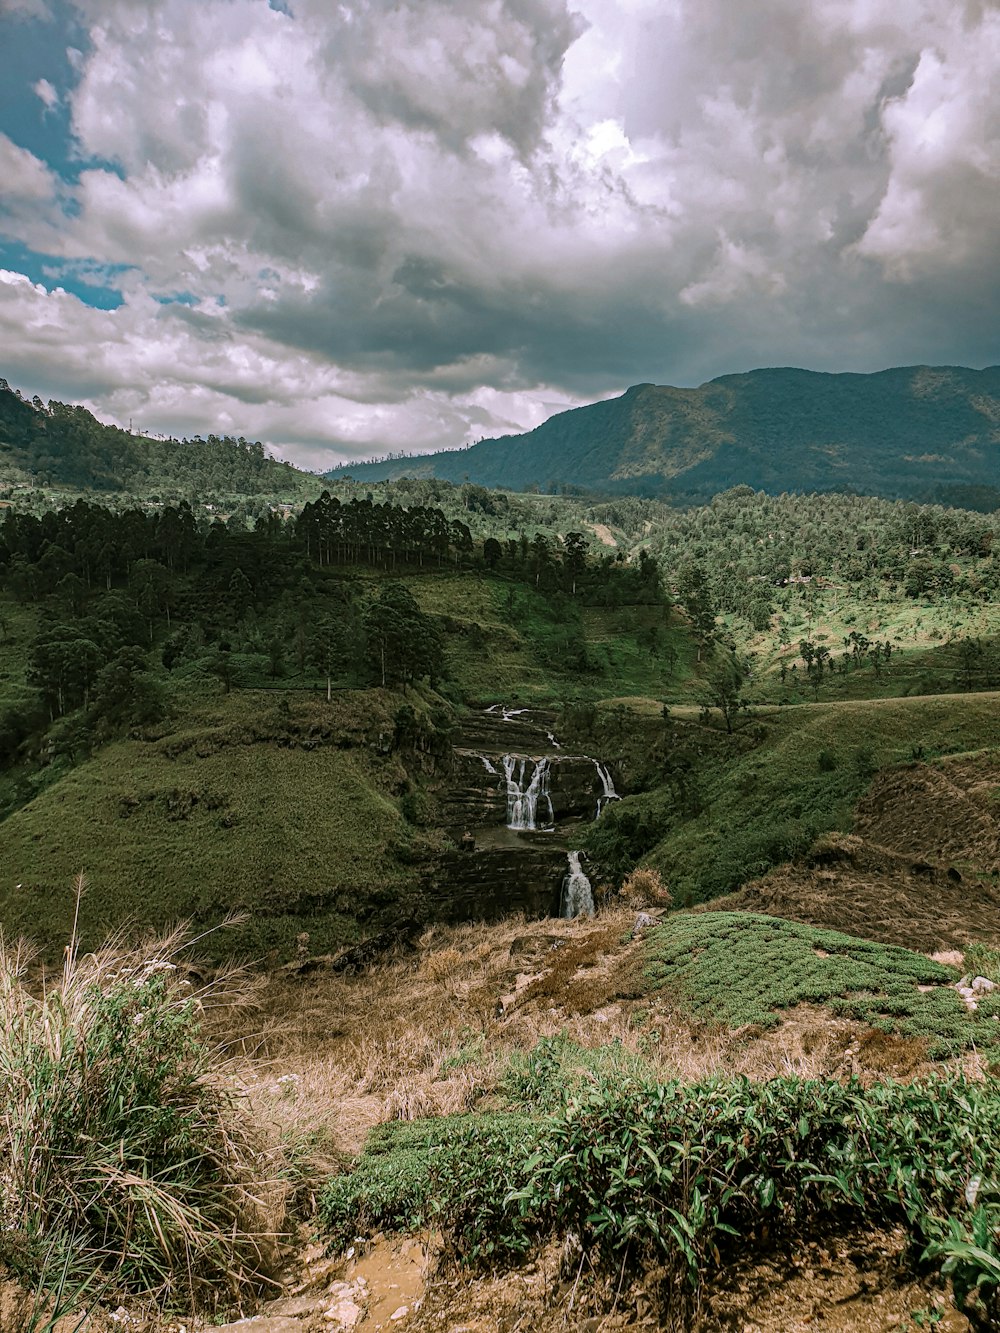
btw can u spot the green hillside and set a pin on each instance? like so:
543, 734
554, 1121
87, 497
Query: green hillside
916, 432
286, 815
62, 446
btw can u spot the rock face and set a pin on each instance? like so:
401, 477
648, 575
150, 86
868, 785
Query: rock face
496, 881
512, 791
479, 796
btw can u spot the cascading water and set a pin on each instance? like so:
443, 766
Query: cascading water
607, 783
523, 793
577, 896
487, 763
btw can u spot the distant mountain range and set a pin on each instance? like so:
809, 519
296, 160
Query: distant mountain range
920, 432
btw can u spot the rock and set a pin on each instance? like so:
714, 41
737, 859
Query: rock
966, 992
291, 1307
982, 985
642, 921
263, 1324
399, 1315
343, 1314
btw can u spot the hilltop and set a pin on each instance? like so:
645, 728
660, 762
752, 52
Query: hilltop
916, 432
63, 446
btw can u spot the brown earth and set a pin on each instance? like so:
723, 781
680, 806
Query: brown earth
847, 883
920, 869
948, 812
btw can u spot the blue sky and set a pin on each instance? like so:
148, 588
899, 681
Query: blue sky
412, 223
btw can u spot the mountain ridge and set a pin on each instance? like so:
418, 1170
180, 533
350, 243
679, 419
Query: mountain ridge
902, 432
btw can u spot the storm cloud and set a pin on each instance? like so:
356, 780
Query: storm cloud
344, 229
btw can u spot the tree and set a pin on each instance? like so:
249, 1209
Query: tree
220, 665
727, 674
124, 692
240, 594
328, 648
153, 590
403, 643
492, 552
63, 664
696, 597
575, 557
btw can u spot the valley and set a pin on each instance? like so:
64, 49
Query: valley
592, 910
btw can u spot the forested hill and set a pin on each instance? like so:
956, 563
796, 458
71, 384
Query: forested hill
64, 446
929, 433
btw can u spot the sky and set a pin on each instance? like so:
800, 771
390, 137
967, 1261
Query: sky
400, 225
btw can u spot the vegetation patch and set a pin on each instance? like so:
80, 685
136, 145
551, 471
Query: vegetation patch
409, 1168
675, 1176
303, 839
741, 969
123, 1162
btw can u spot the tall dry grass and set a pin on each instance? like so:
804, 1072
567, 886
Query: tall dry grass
122, 1153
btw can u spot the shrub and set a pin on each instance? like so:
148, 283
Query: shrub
740, 968
644, 887
119, 1152
410, 1168
677, 1176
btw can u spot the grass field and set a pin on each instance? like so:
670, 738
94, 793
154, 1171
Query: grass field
761, 796
923, 636
289, 820
742, 968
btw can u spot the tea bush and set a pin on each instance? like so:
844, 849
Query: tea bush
742, 967
677, 1176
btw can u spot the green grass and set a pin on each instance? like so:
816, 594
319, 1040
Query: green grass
505, 640
924, 658
764, 798
287, 817
744, 968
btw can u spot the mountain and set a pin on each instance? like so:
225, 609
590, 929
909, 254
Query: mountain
917, 432
63, 446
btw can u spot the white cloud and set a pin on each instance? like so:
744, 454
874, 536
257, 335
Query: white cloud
409, 223
24, 177
46, 92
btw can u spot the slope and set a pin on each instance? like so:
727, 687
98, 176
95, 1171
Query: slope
60, 445
905, 432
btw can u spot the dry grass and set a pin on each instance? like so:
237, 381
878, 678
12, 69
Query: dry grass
122, 1151
432, 1032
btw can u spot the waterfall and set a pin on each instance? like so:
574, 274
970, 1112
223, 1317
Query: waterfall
522, 796
609, 793
552, 741
487, 764
577, 898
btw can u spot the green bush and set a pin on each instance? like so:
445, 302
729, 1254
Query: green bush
397, 1184
679, 1176
542, 1077
740, 968
119, 1153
